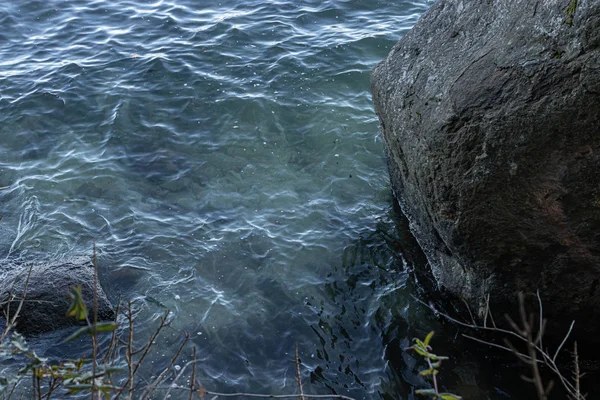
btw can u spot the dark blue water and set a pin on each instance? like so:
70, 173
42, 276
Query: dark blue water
224, 157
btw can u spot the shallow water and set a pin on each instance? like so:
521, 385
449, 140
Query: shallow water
225, 158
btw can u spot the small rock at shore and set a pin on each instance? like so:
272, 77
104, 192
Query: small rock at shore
47, 297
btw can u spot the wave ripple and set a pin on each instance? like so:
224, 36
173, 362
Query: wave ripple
223, 155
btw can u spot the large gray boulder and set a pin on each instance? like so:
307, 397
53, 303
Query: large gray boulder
490, 112
47, 298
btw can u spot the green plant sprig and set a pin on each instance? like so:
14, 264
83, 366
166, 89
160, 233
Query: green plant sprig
434, 362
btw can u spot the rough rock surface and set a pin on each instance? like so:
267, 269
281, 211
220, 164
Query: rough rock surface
47, 297
6, 238
490, 112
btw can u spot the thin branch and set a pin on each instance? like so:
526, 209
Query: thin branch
577, 373
109, 356
469, 310
95, 334
563, 342
298, 376
542, 322
11, 322
487, 311
174, 385
499, 346
521, 333
523, 358
261, 395
467, 325
281, 396
163, 374
12, 390
133, 368
193, 377
130, 351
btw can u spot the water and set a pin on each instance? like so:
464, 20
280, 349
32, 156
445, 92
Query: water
225, 158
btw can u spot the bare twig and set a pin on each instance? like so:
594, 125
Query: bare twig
298, 376
95, 335
11, 322
174, 385
130, 361
260, 395
469, 309
133, 367
526, 333
281, 396
563, 342
497, 345
38, 386
576, 373
164, 373
193, 377
468, 325
12, 390
487, 302
542, 322
109, 356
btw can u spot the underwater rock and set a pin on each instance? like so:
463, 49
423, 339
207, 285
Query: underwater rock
490, 112
47, 297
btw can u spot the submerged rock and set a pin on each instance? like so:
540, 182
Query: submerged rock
490, 113
47, 298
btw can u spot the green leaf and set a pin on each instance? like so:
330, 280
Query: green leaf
77, 334
421, 344
429, 372
74, 389
420, 351
428, 338
436, 357
19, 343
109, 369
78, 308
106, 326
449, 396
100, 327
426, 392
36, 359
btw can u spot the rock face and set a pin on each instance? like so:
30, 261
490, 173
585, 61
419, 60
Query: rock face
6, 238
490, 112
47, 297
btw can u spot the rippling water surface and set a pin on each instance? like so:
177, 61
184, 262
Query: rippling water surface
224, 157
